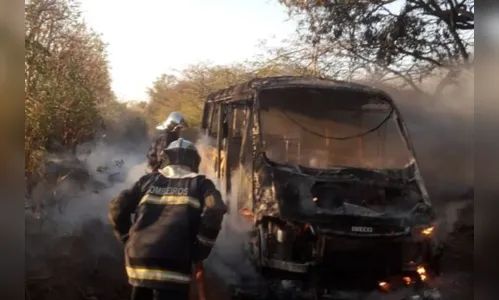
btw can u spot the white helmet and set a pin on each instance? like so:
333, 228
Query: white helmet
174, 122
181, 152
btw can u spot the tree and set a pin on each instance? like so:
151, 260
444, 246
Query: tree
66, 79
297, 57
405, 39
186, 90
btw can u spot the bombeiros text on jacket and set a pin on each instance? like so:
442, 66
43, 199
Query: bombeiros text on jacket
168, 191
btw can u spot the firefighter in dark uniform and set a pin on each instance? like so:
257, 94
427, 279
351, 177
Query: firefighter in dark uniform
178, 217
170, 131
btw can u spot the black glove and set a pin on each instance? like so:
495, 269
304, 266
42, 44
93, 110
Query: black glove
202, 252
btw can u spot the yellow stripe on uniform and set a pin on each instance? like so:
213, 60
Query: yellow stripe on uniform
171, 200
158, 275
205, 241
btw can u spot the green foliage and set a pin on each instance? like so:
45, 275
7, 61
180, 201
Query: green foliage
66, 79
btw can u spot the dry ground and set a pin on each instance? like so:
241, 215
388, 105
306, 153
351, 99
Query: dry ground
77, 267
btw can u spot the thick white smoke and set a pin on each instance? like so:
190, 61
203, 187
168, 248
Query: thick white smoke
66, 225
110, 170
228, 260
442, 131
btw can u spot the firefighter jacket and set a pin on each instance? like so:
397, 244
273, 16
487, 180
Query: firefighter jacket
178, 218
154, 153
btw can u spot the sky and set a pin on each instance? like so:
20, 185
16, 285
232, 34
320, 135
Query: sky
156, 36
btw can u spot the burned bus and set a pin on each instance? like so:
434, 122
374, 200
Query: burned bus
327, 174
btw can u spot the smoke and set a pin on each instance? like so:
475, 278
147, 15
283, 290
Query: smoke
66, 226
111, 170
442, 132
78, 197
75, 213
229, 259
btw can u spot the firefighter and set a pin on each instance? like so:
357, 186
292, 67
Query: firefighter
170, 131
178, 215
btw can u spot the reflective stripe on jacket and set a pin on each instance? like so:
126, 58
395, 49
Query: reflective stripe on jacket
178, 217
144, 274
171, 200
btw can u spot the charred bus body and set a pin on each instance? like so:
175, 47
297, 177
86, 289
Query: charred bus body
327, 173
